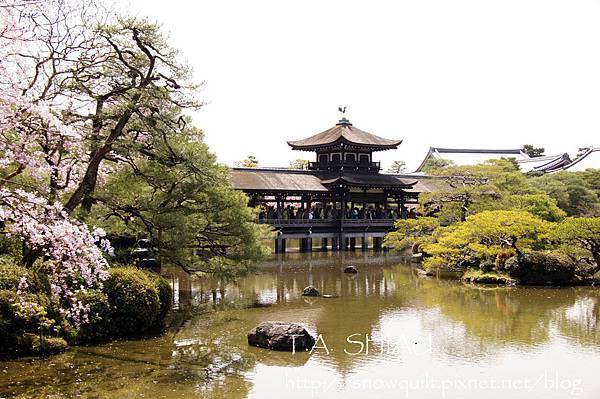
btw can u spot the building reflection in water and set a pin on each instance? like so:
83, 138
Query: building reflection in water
282, 279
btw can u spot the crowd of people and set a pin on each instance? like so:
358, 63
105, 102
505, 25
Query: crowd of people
318, 212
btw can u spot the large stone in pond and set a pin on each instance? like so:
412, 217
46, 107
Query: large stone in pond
280, 336
310, 291
350, 269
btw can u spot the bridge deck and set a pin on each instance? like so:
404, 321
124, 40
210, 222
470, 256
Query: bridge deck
333, 234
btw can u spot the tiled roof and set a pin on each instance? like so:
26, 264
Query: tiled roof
464, 156
346, 133
275, 180
289, 180
589, 159
468, 156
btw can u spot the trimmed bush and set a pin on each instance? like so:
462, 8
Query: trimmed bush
165, 295
134, 300
487, 266
32, 344
8, 320
99, 327
10, 246
541, 268
14, 326
11, 273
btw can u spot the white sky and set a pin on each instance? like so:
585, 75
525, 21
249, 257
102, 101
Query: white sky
453, 73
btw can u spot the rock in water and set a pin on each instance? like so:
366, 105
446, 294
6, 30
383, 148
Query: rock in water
279, 336
310, 291
541, 268
350, 269
425, 273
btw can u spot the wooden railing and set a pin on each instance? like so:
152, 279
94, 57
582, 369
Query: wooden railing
328, 222
369, 222
300, 222
347, 165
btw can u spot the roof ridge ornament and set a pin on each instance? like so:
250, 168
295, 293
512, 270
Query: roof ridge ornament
344, 121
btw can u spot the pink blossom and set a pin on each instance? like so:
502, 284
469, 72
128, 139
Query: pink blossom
76, 261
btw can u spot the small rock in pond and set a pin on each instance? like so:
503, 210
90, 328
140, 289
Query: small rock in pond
424, 272
350, 269
280, 336
310, 291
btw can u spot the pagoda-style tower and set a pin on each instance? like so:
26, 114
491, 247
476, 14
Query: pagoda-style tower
344, 163
342, 196
344, 147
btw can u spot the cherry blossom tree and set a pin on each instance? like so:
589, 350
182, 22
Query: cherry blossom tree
36, 141
86, 95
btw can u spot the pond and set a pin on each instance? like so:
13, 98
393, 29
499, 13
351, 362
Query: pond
427, 338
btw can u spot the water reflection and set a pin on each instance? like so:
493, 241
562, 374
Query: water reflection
416, 328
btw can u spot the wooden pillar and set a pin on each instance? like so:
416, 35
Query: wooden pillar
305, 244
343, 204
279, 245
343, 242
377, 243
364, 204
334, 244
365, 242
402, 209
324, 244
352, 243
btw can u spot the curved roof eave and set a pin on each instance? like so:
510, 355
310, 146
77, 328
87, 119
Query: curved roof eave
346, 133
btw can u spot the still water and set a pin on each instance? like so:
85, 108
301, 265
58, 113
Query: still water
427, 338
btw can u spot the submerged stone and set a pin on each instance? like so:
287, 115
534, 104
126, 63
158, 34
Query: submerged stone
281, 336
310, 291
350, 269
425, 273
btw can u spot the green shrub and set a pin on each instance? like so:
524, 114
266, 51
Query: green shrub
99, 325
487, 266
8, 320
10, 246
11, 273
14, 324
165, 295
131, 302
33, 344
134, 300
